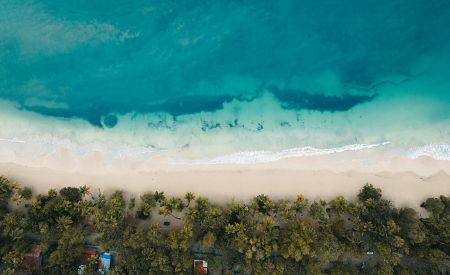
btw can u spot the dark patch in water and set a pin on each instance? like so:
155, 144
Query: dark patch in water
175, 106
110, 121
289, 99
93, 117
233, 124
159, 124
209, 126
300, 99
192, 104
260, 126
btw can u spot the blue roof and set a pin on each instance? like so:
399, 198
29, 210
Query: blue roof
105, 256
105, 259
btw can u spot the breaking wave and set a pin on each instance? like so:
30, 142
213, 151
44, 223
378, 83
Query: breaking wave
252, 157
435, 151
33, 148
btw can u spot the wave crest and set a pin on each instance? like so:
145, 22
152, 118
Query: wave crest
435, 151
252, 157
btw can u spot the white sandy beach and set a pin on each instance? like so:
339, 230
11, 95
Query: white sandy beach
404, 181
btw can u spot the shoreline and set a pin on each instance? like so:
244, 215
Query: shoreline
406, 183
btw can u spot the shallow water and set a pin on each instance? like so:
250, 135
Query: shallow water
201, 79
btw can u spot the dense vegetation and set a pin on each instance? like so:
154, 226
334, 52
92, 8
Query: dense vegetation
263, 236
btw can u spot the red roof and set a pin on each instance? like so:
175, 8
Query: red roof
88, 253
31, 260
200, 268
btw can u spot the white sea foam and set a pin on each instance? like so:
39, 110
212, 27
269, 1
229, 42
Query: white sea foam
252, 157
51, 146
435, 151
13, 140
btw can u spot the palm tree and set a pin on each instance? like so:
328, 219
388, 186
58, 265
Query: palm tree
159, 196
84, 190
189, 197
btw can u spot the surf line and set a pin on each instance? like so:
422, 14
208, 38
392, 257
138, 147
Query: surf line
254, 157
12, 140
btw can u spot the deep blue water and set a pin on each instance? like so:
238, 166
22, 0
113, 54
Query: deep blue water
103, 57
241, 74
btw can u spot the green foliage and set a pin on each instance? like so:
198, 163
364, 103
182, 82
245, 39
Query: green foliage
339, 205
208, 241
205, 217
341, 268
71, 194
63, 260
284, 211
109, 218
147, 253
26, 193
317, 210
189, 197
253, 239
132, 204
237, 213
49, 209
300, 204
148, 203
12, 260
22, 194
376, 228
435, 250
262, 204
435, 206
169, 206
372, 217
411, 228
369, 192
7, 188
259, 237
438, 260
13, 227
178, 243
296, 240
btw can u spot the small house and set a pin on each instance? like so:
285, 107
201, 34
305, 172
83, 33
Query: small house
87, 255
32, 261
200, 267
105, 262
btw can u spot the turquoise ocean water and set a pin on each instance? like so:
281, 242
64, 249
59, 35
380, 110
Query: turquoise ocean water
209, 78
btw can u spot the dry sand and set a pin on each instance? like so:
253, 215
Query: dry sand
404, 181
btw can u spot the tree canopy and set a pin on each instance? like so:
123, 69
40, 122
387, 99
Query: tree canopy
366, 235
